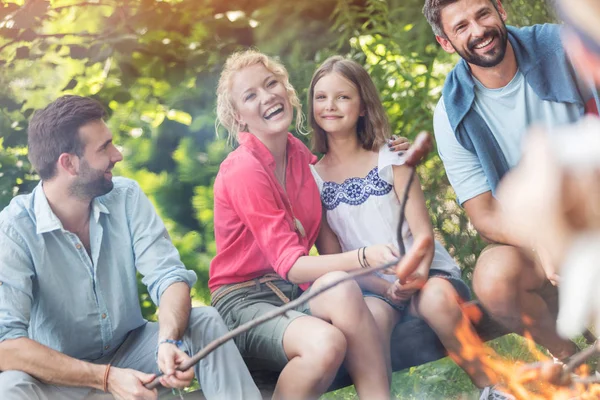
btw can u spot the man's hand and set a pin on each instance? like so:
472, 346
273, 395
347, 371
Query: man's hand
169, 358
128, 384
549, 267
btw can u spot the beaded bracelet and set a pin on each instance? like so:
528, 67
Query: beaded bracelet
177, 343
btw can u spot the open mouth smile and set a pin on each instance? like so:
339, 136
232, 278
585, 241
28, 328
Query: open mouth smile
273, 111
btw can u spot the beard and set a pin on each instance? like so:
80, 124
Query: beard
91, 182
492, 57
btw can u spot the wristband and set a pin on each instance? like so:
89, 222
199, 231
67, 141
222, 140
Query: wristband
105, 382
177, 343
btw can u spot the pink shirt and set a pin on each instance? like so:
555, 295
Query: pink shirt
254, 220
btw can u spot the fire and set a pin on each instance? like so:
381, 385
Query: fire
542, 380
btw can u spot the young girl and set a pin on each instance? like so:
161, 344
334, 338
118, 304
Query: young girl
360, 181
267, 217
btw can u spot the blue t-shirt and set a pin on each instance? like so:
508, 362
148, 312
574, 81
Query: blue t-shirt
508, 111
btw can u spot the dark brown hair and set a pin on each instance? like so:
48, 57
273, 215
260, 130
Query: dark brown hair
433, 13
373, 128
55, 130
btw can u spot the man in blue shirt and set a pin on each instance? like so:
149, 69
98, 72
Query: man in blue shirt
70, 318
507, 79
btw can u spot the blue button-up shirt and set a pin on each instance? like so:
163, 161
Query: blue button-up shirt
82, 305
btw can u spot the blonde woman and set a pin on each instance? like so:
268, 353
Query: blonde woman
267, 218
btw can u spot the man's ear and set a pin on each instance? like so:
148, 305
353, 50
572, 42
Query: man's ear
501, 11
69, 163
445, 43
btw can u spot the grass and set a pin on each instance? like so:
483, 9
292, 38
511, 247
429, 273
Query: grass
443, 379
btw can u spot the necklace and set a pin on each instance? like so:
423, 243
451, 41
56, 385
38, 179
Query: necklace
297, 224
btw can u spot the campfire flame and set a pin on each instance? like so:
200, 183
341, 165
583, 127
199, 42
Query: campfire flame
542, 380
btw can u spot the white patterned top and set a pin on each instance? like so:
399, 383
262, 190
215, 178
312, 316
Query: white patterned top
366, 211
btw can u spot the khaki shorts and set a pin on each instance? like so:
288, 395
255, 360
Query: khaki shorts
261, 346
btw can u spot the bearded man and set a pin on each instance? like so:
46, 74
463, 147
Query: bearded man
70, 319
507, 79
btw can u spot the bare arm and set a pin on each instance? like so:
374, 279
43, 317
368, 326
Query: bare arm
486, 216
174, 311
328, 243
173, 320
47, 365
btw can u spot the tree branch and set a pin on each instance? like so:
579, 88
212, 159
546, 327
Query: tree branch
82, 4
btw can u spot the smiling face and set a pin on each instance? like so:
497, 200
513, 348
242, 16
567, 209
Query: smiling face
336, 104
94, 175
261, 101
475, 29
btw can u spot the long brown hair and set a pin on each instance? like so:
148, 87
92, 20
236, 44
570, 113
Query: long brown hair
373, 128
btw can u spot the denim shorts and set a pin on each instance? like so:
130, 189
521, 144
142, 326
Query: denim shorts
459, 285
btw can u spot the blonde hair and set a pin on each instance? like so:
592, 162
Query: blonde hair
225, 106
373, 128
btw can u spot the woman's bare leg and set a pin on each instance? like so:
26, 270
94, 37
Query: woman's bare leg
316, 350
386, 319
437, 303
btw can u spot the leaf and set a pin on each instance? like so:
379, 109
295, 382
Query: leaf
71, 85
22, 52
27, 113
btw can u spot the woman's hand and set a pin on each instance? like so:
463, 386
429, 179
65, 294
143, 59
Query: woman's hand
398, 143
380, 254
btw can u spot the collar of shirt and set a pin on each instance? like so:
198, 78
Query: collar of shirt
46, 220
261, 152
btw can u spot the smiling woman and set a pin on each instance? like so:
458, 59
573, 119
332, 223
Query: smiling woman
267, 218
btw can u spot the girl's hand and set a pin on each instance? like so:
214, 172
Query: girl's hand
414, 283
392, 294
398, 143
381, 254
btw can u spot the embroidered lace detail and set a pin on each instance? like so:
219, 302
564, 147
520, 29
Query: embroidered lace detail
354, 191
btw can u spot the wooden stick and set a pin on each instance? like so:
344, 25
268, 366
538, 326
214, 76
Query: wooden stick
418, 151
401, 246
579, 358
306, 296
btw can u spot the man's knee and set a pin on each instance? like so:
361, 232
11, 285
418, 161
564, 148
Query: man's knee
206, 323
18, 384
498, 271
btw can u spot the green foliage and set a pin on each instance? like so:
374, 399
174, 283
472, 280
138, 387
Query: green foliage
154, 65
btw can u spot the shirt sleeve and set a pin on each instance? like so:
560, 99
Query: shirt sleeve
463, 168
16, 295
156, 258
251, 197
387, 160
